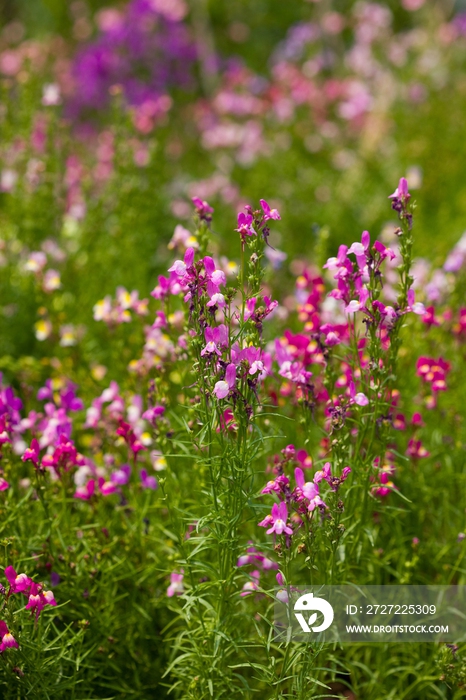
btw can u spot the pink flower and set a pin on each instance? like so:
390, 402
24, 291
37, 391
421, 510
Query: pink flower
148, 482
31, 454
223, 387
176, 584
181, 267
215, 337
85, 492
4, 485
277, 485
7, 639
415, 306
268, 212
203, 209
416, 450
358, 398
245, 227
361, 250
38, 599
401, 191
308, 490
279, 517
253, 585
18, 582
355, 305
383, 251
429, 317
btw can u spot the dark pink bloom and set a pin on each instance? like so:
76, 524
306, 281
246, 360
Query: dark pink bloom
31, 454
7, 639
429, 317
386, 485
19, 583
276, 485
38, 599
416, 450
85, 492
245, 227
433, 372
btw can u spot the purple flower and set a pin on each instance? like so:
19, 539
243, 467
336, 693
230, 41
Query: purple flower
203, 209
145, 50
268, 212
245, 227
148, 482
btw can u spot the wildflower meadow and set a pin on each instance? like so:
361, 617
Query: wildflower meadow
232, 342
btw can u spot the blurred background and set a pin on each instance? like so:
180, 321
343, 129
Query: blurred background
113, 116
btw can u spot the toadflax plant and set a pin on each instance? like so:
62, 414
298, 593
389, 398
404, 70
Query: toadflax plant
349, 398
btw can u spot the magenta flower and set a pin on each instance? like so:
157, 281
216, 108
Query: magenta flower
7, 639
268, 212
223, 387
107, 487
307, 490
253, 585
85, 492
401, 191
215, 337
400, 199
153, 413
181, 267
19, 583
4, 485
324, 473
38, 599
383, 251
148, 482
333, 481
433, 372
276, 485
245, 227
203, 209
386, 485
277, 520
416, 449
355, 305
361, 250
415, 306
176, 584
31, 454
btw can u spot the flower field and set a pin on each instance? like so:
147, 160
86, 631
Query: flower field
232, 341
